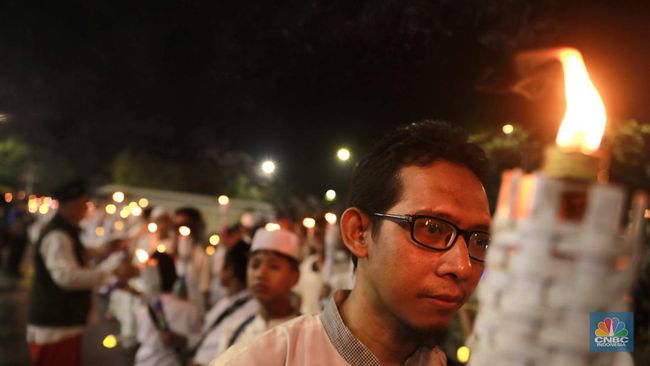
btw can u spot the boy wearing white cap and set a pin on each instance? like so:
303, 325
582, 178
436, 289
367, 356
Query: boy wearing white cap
271, 273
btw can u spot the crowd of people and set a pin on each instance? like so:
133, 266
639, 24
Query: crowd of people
380, 287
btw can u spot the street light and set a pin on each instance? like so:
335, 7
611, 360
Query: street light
508, 129
223, 200
268, 167
343, 154
330, 195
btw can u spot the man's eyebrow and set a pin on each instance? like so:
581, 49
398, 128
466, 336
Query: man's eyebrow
453, 219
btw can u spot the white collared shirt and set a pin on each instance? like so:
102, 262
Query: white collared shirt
315, 340
183, 318
210, 347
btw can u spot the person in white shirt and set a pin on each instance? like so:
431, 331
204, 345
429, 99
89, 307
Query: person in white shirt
417, 225
271, 273
164, 333
311, 287
237, 306
193, 263
60, 299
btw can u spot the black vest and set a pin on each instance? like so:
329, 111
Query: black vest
50, 305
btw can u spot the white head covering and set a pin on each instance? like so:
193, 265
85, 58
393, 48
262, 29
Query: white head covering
281, 241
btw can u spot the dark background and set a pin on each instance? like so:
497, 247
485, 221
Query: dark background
191, 95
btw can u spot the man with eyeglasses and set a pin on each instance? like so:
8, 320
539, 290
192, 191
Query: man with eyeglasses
418, 228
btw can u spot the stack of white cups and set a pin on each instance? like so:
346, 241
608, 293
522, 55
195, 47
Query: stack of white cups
547, 272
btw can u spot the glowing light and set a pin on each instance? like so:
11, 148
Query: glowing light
210, 250
47, 201
143, 202
161, 248
584, 121
152, 227
111, 209
118, 225
99, 231
272, 226
330, 217
9, 197
184, 231
462, 354
214, 239
32, 205
133, 205
43, 209
141, 255
118, 197
110, 341
124, 213
223, 200
268, 167
647, 214
55, 204
137, 211
330, 195
508, 129
309, 222
343, 154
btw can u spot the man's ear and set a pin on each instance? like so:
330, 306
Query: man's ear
354, 227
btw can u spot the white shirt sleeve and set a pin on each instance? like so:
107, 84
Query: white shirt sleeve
58, 255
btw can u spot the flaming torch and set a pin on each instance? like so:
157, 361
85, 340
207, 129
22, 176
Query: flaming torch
559, 253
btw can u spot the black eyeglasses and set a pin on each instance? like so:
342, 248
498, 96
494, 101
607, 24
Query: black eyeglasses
437, 234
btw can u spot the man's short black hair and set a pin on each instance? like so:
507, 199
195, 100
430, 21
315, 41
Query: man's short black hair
237, 260
70, 190
376, 185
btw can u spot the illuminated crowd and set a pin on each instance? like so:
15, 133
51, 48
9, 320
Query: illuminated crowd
192, 296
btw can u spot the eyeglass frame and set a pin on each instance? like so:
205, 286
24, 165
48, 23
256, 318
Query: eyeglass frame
410, 219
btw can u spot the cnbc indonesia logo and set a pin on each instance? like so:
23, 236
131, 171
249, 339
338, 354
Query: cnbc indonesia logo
612, 333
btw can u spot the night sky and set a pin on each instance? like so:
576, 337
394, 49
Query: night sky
183, 81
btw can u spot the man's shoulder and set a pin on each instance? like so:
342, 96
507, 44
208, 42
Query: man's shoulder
272, 346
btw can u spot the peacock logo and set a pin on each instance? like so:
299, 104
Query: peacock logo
611, 327
611, 332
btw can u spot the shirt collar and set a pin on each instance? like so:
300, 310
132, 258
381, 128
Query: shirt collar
345, 343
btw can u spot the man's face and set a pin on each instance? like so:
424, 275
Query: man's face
270, 276
76, 209
420, 288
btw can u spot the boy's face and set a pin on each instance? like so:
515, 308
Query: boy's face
270, 276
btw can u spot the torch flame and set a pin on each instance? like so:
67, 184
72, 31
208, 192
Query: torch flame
584, 121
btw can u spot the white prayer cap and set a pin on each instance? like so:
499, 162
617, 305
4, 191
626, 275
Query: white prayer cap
281, 241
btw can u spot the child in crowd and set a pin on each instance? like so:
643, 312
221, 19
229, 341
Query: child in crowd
238, 305
272, 272
164, 330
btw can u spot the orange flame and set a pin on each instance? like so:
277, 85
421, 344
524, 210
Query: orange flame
584, 121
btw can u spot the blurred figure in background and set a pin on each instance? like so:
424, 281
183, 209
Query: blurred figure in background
18, 220
229, 238
310, 287
237, 306
60, 297
193, 264
164, 332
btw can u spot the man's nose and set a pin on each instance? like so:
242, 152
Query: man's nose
456, 261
